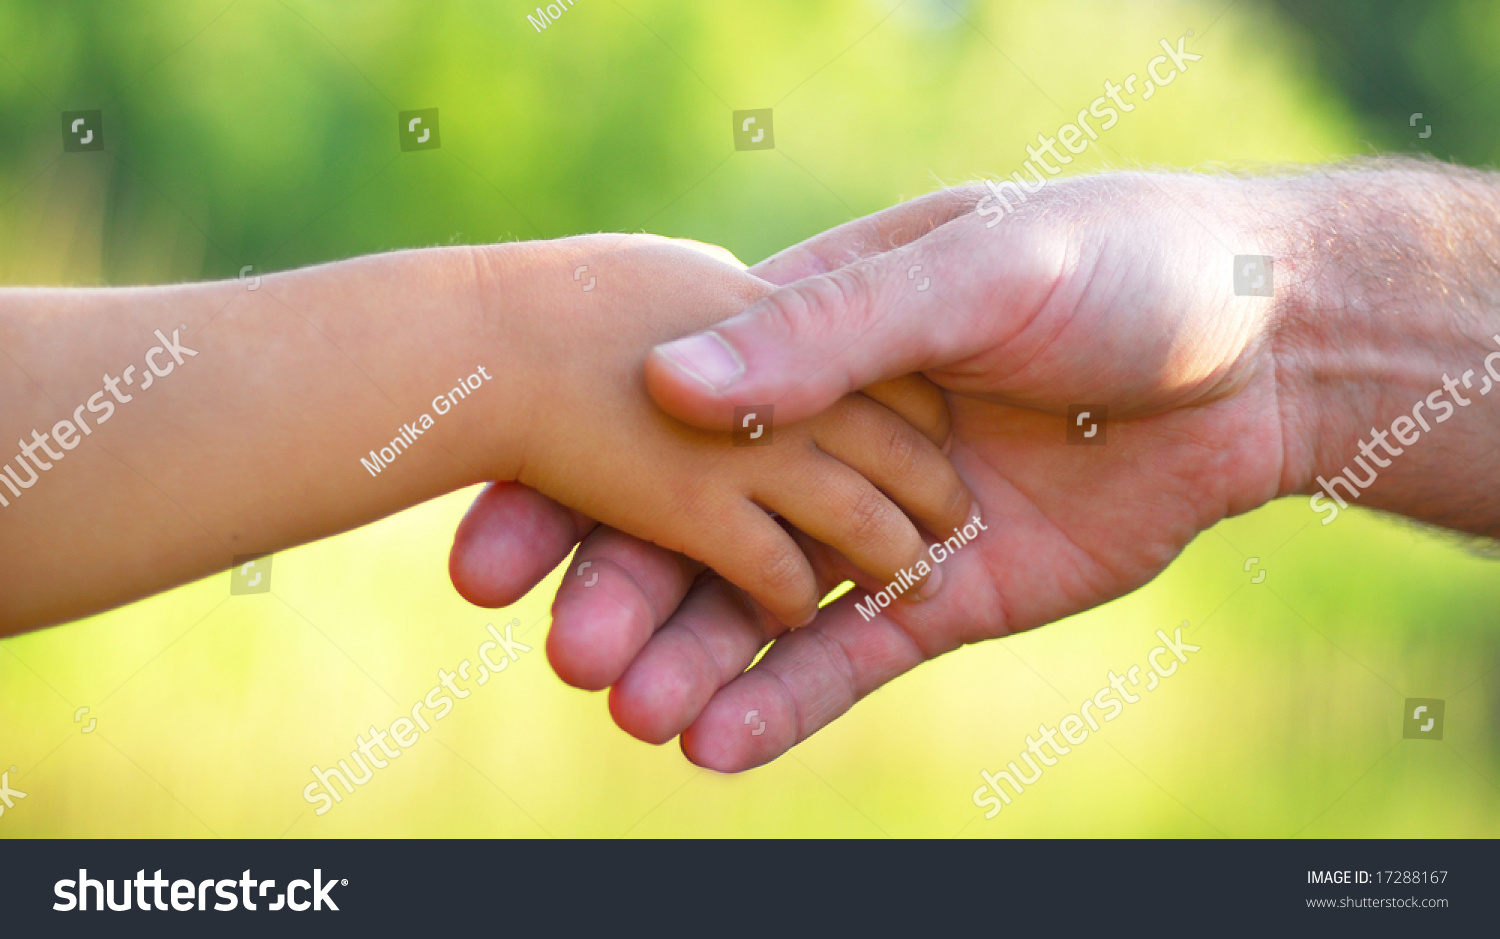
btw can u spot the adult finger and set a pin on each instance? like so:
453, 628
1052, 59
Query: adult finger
874, 234
806, 679
619, 589
956, 292
708, 642
511, 537
710, 639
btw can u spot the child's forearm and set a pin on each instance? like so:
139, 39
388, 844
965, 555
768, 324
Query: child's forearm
161, 432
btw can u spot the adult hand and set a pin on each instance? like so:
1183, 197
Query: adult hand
1114, 292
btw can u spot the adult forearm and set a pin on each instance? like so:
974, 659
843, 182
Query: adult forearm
161, 432
1388, 342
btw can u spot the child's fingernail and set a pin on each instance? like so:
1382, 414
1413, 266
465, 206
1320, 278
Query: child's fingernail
930, 586
706, 357
808, 621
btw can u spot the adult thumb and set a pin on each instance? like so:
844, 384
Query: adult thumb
804, 346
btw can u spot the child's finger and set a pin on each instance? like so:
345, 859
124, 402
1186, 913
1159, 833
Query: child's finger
899, 459
616, 592
829, 566
841, 508
919, 402
751, 551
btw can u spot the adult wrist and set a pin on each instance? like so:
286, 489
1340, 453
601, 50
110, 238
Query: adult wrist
1382, 334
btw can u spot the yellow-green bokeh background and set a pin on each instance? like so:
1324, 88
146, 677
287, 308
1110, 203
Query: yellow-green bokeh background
263, 132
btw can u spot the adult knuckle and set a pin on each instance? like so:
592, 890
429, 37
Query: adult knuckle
840, 663
819, 305
790, 311
845, 294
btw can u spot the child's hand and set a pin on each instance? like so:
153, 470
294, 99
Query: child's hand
597, 443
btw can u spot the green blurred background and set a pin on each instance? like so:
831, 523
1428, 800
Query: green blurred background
262, 132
